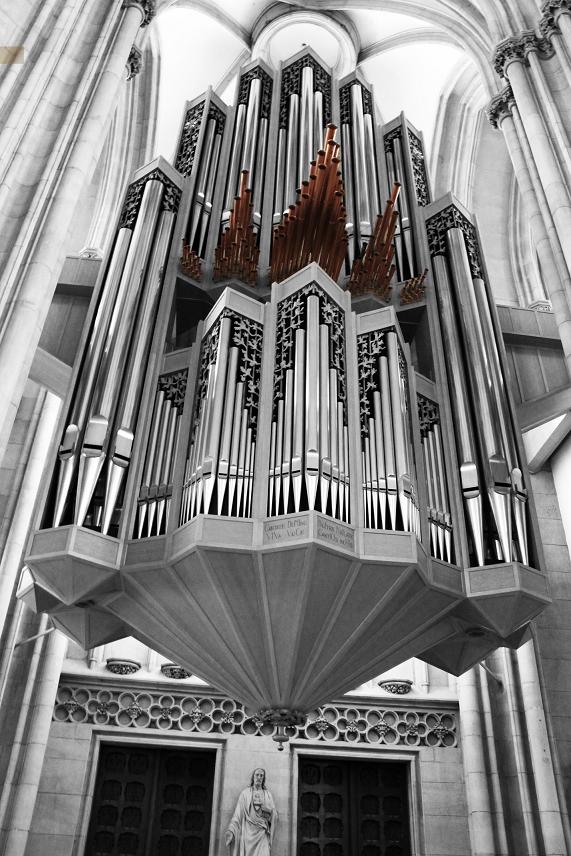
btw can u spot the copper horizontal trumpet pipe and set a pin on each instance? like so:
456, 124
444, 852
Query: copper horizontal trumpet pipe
374, 270
237, 252
314, 228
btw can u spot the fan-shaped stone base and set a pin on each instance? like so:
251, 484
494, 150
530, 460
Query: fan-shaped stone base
285, 613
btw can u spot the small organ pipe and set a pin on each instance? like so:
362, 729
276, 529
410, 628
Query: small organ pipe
235, 447
312, 399
279, 202
371, 163
388, 440
227, 426
279, 456
287, 442
324, 416
298, 416
318, 124
259, 172
380, 454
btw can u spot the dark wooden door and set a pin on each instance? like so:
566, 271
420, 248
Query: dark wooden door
151, 802
352, 808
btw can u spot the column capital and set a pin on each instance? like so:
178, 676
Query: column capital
134, 62
500, 106
555, 8
517, 48
147, 8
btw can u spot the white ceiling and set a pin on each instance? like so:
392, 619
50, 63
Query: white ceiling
198, 49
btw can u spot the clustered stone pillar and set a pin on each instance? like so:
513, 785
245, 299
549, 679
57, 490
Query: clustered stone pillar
503, 113
32, 267
539, 147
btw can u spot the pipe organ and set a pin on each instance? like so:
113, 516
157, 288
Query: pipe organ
329, 480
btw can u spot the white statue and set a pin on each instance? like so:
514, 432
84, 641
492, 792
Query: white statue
254, 821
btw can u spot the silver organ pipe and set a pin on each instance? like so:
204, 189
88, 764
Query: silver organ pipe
499, 387
126, 416
195, 225
439, 517
371, 165
69, 447
386, 435
469, 476
361, 188
251, 129
493, 459
235, 160
304, 113
307, 145
309, 410
108, 382
221, 451
290, 179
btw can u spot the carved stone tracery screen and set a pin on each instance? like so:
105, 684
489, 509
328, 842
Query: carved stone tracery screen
352, 808
151, 802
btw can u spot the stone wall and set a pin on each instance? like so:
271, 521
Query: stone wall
422, 737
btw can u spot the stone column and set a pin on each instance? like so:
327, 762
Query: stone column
22, 779
559, 11
510, 61
43, 430
31, 278
503, 114
553, 818
480, 818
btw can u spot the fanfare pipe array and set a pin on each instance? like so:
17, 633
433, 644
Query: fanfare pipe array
413, 289
500, 467
374, 270
237, 253
395, 155
309, 438
387, 464
219, 470
201, 208
106, 401
189, 262
155, 492
314, 228
439, 517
